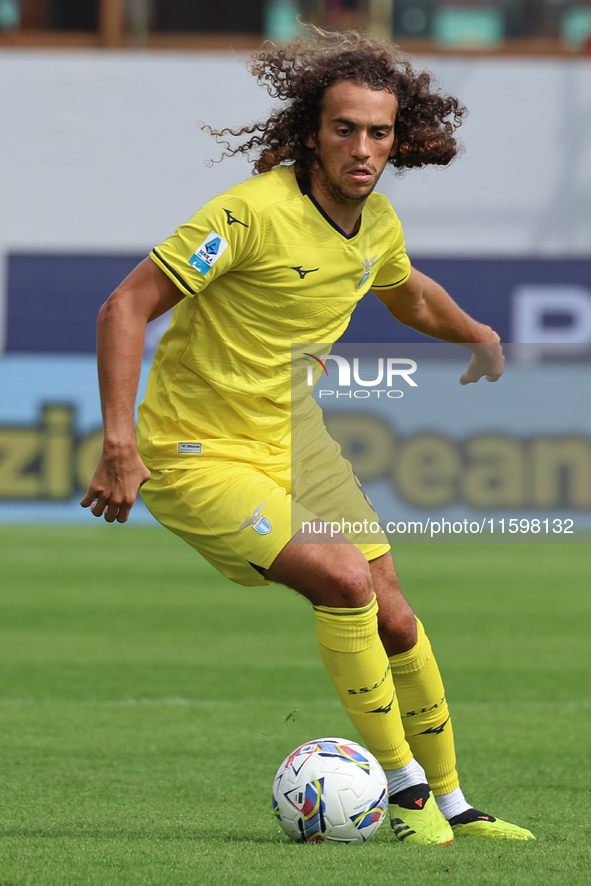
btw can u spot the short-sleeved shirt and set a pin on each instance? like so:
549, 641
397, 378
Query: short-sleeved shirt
263, 267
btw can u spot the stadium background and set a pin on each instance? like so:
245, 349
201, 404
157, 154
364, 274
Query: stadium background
146, 701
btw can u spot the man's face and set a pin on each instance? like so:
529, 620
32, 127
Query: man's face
354, 142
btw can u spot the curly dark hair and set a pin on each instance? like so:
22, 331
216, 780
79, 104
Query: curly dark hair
300, 73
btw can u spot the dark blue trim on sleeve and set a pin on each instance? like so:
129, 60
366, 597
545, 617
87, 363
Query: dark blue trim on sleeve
392, 285
173, 272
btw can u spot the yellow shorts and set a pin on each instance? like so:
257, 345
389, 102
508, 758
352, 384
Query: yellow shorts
240, 516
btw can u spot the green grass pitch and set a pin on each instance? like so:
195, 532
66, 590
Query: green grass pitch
146, 703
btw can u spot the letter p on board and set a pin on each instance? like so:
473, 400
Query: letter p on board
551, 315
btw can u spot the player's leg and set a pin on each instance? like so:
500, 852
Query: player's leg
420, 695
336, 578
419, 688
326, 484
424, 710
324, 481
242, 521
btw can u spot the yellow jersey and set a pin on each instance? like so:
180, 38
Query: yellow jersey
262, 267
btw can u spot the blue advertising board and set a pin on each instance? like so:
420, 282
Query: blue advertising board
53, 299
50, 422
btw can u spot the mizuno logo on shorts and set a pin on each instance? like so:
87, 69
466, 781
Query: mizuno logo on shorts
189, 448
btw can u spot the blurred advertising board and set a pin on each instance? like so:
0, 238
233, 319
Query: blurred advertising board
441, 461
428, 451
50, 436
53, 299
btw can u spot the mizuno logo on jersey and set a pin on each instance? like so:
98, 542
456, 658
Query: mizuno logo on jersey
302, 272
367, 264
232, 220
258, 521
208, 252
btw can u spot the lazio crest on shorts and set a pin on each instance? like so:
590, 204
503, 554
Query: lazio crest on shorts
258, 521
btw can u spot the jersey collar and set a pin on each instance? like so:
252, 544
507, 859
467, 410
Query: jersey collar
304, 187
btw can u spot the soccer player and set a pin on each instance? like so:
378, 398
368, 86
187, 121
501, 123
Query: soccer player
284, 257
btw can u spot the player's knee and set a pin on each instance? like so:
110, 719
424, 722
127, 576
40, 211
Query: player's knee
398, 629
351, 585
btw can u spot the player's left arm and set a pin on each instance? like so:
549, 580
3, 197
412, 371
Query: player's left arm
426, 306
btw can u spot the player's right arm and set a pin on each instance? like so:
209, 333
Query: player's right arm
145, 294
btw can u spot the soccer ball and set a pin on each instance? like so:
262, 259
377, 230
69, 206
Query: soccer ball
330, 790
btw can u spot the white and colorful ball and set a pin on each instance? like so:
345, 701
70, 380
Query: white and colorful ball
330, 790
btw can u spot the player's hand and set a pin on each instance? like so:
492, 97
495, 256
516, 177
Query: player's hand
114, 486
487, 361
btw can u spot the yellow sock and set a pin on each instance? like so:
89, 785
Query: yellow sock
357, 664
425, 714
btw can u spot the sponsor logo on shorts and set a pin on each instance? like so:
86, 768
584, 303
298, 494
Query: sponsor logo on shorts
189, 448
208, 252
258, 521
